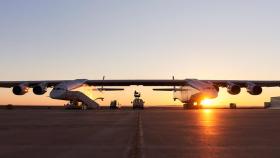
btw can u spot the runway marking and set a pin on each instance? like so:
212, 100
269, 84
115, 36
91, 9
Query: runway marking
131, 147
136, 147
141, 138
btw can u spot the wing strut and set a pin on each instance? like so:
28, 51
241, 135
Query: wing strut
174, 89
108, 89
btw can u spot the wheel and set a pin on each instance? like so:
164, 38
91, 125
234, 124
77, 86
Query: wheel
188, 105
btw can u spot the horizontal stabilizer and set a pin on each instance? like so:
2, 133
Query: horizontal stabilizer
110, 89
167, 89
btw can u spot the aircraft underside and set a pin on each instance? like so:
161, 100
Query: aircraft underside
190, 92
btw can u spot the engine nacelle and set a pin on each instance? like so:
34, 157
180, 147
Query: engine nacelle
39, 90
233, 89
217, 88
20, 90
254, 89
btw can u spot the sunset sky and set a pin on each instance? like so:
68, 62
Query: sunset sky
147, 39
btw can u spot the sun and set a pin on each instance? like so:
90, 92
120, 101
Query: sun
206, 102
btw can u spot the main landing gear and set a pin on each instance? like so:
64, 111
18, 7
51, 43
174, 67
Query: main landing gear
75, 105
192, 105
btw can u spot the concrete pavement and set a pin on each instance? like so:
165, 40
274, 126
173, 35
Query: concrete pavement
147, 133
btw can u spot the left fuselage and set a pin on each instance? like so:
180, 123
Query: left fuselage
60, 90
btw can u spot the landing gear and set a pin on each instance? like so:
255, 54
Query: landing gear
75, 105
192, 105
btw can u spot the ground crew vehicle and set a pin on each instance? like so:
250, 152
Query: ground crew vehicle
137, 103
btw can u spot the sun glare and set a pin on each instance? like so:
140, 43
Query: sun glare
207, 102
207, 111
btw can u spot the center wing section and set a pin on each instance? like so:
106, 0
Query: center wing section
136, 82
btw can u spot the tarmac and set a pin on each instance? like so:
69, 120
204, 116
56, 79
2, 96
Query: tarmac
148, 133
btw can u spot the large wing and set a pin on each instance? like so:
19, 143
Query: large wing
220, 83
136, 82
243, 83
52, 83
49, 83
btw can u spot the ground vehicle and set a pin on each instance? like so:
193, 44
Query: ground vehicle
114, 104
232, 106
137, 103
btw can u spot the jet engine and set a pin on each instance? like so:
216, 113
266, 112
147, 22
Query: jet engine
20, 90
217, 88
233, 89
39, 90
254, 89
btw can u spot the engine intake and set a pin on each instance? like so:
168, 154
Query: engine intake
20, 90
39, 90
233, 89
254, 89
217, 88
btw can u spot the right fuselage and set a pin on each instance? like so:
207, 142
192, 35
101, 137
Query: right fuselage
196, 92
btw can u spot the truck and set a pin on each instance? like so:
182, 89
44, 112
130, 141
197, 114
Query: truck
137, 103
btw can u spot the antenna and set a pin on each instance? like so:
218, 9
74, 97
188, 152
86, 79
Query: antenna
174, 87
102, 87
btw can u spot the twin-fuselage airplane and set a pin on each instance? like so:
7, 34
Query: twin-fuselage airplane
189, 91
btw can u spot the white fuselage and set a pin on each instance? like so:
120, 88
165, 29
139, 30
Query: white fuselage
60, 90
196, 92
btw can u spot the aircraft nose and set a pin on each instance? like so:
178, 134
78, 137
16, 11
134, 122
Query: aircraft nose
211, 94
57, 94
